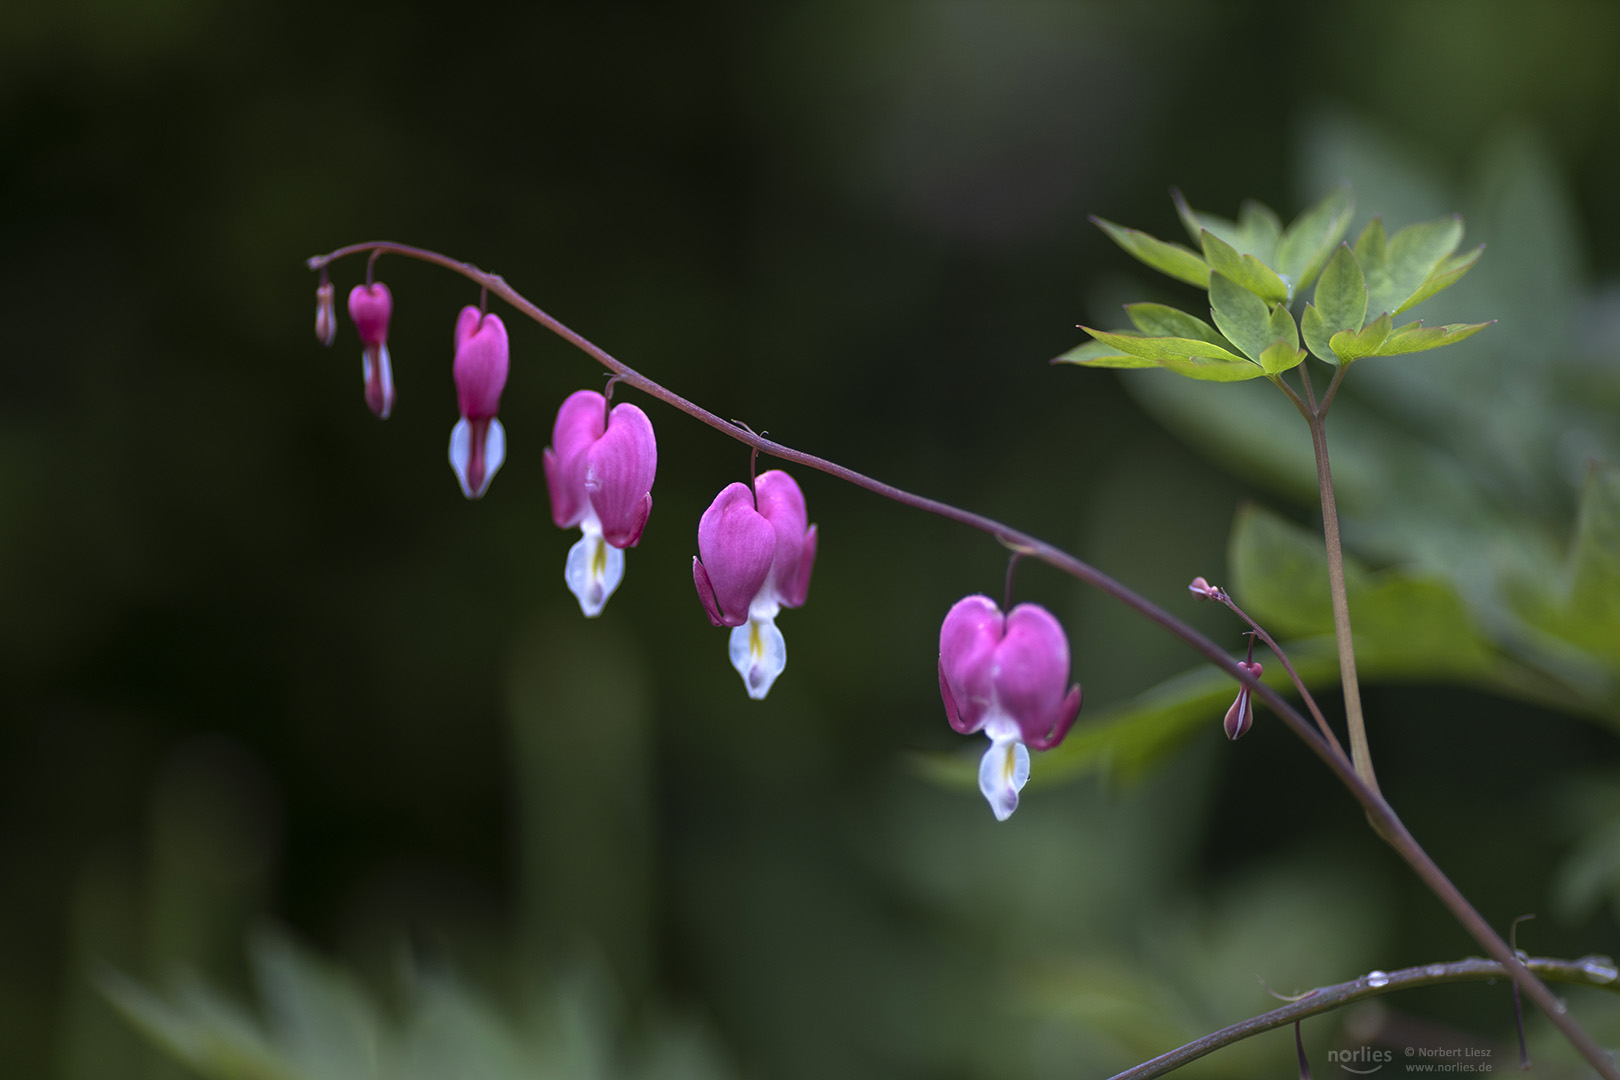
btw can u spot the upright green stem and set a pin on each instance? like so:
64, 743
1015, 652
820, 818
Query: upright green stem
1360, 755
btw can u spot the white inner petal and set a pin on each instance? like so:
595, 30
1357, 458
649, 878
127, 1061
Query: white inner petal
461, 453
1003, 772
759, 654
594, 569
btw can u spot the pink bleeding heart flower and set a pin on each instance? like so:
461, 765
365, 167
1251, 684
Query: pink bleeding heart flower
325, 313
599, 471
478, 442
371, 306
1006, 675
755, 555
1240, 717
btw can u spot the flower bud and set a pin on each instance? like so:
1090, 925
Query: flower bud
325, 313
371, 306
478, 441
1240, 717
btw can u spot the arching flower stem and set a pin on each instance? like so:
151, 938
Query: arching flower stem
1380, 814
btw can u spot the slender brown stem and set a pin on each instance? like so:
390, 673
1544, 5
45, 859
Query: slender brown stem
1360, 754
1378, 811
1332, 390
1590, 971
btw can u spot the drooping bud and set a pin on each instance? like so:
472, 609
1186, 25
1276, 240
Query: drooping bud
325, 313
599, 470
478, 441
755, 556
1240, 717
371, 306
1006, 676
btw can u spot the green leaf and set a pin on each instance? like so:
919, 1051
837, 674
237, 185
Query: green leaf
1164, 348
1415, 337
1161, 320
1280, 356
1308, 242
1241, 315
1194, 367
1316, 332
1282, 326
1171, 259
1447, 274
1279, 574
1098, 354
1254, 233
1412, 255
1341, 295
1371, 245
1353, 345
1246, 270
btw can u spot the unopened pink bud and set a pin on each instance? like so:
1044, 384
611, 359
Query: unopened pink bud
325, 313
1240, 717
478, 441
371, 306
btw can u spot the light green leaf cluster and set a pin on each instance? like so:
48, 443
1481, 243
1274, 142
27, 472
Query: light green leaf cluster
1254, 269
1386, 276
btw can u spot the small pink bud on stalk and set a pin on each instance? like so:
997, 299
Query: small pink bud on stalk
1008, 676
1240, 717
755, 554
371, 306
325, 314
599, 470
478, 441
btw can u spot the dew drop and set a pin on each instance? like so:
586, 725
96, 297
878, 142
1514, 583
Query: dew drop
1600, 968
1434, 971
1377, 978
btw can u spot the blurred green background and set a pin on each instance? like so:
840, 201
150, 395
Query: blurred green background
271, 690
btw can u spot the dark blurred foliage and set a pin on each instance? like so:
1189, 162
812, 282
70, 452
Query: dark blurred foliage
262, 661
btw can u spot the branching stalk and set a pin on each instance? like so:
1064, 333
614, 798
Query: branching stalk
1591, 971
1379, 812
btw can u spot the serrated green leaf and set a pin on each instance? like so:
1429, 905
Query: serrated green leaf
1308, 242
1341, 294
1196, 367
1172, 259
1415, 337
1412, 255
1282, 326
1164, 348
1317, 334
1372, 245
1245, 270
1279, 574
1447, 274
1241, 315
1161, 320
1353, 345
1100, 355
1280, 356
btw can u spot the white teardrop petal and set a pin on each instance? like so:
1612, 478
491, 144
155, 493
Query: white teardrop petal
594, 569
1003, 772
759, 654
